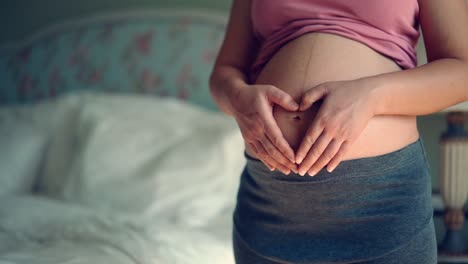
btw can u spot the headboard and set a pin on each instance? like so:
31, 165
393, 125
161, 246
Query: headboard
160, 52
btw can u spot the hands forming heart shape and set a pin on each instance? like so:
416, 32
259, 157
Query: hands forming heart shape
346, 108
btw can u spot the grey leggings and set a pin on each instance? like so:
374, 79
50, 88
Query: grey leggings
422, 249
368, 210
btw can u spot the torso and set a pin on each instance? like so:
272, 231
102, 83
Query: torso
333, 58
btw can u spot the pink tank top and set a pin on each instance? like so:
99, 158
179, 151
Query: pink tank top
391, 27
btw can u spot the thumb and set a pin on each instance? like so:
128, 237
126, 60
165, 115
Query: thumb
311, 96
283, 99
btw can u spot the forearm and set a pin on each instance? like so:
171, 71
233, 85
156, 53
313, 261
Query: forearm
225, 84
422, 90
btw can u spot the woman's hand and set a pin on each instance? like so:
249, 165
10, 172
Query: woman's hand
253, 111
346, 109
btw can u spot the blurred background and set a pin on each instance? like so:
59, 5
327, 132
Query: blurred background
20, 19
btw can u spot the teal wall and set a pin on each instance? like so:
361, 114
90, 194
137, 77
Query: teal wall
18, 18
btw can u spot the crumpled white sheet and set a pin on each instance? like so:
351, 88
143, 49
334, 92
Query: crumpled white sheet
126, 179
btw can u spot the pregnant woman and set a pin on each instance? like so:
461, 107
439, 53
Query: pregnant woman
326, 95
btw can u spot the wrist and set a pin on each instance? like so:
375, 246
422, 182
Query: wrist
224, 86
234, 89
377, 88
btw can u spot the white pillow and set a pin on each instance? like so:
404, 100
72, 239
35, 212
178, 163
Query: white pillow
158, 158
25, 131
22, 144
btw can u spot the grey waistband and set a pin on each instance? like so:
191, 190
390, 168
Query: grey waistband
366, 166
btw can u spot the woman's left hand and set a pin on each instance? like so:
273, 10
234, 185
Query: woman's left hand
346, 109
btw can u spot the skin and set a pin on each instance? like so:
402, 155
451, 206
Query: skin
314, 59
344, 111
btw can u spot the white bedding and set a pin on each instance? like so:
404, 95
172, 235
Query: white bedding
123, 179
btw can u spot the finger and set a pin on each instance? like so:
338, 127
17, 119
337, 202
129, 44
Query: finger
255, 147
272, 161
282, 99
326, 156
276, 154
338, 156
271, 167
313, 132
315, 152
311, 96
275, 135
265, 157
252, 146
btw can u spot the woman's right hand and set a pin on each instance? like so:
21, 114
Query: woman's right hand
253, 111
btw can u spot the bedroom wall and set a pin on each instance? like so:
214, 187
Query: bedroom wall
20, 17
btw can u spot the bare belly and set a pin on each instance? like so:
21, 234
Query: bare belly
333, 58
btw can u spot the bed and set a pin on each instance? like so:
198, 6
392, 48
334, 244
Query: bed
112, 150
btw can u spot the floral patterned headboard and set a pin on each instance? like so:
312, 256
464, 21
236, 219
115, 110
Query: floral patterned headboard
161, 52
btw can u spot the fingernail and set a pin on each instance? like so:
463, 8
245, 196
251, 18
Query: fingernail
299, 160
330, 169
302, 173
312, 173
